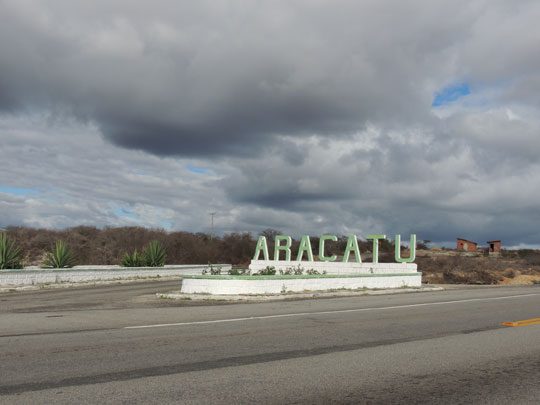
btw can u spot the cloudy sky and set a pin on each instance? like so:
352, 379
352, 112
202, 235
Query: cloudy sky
311, 117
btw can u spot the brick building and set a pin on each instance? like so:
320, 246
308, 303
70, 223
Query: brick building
466, 245
494, 247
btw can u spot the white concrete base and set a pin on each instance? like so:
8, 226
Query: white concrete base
227, 285
295, 296
335, 267
91, 273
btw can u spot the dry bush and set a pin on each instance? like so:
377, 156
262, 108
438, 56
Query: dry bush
511, 273
469, 270
529, 257
387, 257
92, 245
238, 248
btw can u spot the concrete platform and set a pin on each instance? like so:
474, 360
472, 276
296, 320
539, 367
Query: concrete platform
77, 274
178, 295
334, 267
225, 285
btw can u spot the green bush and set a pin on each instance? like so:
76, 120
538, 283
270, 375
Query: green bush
268, 271
154, 254
10, 255
213, 270
313, 272
289, 271
133, 260
60, 257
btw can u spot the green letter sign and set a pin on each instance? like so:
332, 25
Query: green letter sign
375, 246
321, 248
305, 246
261, 245
284, 243
412, 249
286, 247
352, 246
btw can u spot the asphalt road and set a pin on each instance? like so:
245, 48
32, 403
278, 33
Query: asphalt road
120, 344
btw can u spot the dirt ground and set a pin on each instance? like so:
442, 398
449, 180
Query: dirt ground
520, 280
512, 268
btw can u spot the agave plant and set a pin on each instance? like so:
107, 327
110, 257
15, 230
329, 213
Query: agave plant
60, 257
154, 254
134, 260
10, 255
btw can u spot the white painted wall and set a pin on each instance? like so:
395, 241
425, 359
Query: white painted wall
336, 267
230, 286
94, 273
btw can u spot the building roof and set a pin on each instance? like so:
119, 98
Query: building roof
470, 241
492, 241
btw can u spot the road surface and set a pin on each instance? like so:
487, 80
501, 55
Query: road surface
120, 344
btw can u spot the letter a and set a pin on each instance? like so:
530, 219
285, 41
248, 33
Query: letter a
352, 246
261, 245
305, 246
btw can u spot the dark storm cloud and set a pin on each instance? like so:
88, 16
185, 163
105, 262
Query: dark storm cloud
207, 78
307, 116
245, 127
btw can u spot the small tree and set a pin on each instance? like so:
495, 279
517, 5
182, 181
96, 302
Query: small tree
423, 245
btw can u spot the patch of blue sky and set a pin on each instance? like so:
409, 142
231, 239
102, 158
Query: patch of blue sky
125, 212
166, 224
450, 94
200, 170
18, 191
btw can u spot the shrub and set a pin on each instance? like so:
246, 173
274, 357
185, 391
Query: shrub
107, 246
10, 255
214, 271
60, 257
133, 260
313, 272
297, 271
510, 273
268, 271
532, 259
154, 254
238, 272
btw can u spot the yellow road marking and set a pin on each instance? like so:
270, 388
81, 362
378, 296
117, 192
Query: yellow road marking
527, 322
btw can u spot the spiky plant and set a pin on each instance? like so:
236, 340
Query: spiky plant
133, 260
60, 257
10, 254
154, 254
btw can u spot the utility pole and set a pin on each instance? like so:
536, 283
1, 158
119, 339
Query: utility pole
212, 233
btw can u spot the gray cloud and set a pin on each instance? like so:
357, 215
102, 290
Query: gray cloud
309, 117
207, 78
